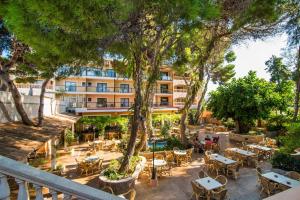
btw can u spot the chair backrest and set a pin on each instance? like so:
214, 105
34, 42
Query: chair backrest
293, 175
222, 179
258, 170
196, 188
265, 183
206, 159
175, 148
202, 174
159, 156
220, 194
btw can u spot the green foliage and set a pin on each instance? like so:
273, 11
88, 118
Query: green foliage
174, 142
101, 122
69, 136
229, 123
172, 119
244, 100
277, 122
285, 161
165, 129
291, 140
111, 172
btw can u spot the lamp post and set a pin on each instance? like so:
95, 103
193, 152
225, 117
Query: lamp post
153, 181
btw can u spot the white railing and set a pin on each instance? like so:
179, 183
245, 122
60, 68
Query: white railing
57, 185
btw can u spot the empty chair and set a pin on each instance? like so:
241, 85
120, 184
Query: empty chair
202, 174
293, 175
233, 170
219, 167
219, 194
198, 191
268, 187
189, 153
222, 179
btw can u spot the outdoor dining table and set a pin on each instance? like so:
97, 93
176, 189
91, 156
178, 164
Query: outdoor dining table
180, 152
222, 159
91, 158
281, 179
263, 148
209, 184
159, 163
242, 152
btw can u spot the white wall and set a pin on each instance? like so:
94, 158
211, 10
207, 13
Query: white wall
31, 105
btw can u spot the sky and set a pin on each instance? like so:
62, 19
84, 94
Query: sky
252, 55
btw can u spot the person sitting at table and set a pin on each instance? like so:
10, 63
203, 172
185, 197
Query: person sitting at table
216, 139
208, 145
196, 144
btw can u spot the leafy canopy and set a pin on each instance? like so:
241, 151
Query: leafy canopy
244, 100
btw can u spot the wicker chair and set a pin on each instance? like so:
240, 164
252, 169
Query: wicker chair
233, 170
198, 191
189, 153
219, 167
267, 186
202, 174
282, 187
159, 157
222, 179
219, 194
293, 175
130, 194
252, 161
83, 167
97, 166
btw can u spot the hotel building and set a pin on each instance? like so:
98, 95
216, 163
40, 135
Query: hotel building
104, 92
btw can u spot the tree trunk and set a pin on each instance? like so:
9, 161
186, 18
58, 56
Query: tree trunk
191, 95
237, 126
41, 107
201, 100
5, 112
296, 105
17, 99
137, 117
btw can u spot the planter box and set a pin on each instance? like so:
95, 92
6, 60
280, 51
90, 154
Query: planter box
246, 138
123, 185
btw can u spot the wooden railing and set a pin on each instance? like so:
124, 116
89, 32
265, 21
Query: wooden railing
57, 185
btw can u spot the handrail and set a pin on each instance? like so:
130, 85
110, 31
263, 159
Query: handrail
39, 178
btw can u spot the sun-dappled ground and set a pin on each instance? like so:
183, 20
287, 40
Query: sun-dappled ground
177, 186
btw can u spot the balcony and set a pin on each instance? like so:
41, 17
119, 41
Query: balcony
92, 89
162, 104
105, 105
60, 188
163, 91
165, 78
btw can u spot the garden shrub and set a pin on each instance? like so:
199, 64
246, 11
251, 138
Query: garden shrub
291, 140
69, 136
165, 129
111, 172
285, 161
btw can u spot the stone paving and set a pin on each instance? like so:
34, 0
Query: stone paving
177, 186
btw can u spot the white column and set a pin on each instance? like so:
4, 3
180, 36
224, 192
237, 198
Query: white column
23, 190
4, 188
38, 192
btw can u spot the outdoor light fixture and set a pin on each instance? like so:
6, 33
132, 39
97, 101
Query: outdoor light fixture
153, 181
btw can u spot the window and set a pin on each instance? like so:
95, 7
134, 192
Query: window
164, 101
89, 99
70, 86
101, 102
124, 88
83, 84
164, 88
110, 73
89, 84
165, 76
124, 102
102, 87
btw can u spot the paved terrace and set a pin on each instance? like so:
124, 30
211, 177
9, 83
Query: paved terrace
177, 186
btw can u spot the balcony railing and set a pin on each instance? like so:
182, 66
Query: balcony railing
27, 85
162, 104
94, 89
180, 90
164, 91
165, 78
109, 104
24, 174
